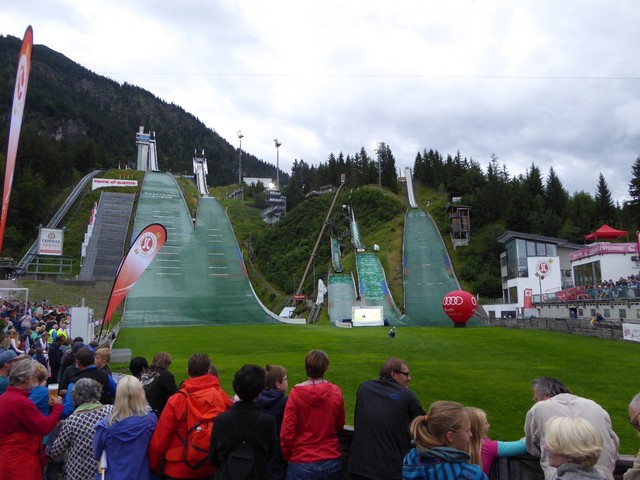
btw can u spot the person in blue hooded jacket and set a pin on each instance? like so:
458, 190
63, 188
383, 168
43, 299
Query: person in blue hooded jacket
122, 439
441, 438
272, 401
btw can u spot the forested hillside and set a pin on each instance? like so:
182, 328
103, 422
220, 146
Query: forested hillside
76, 121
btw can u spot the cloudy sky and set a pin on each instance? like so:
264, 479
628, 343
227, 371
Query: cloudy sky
552, 83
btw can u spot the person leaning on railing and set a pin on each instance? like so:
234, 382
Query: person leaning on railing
634, 415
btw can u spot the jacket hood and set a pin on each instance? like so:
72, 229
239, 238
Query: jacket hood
195, 384
268, 398
131, 428
315, 395
447, 454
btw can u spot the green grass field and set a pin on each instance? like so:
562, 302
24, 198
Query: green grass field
487, 367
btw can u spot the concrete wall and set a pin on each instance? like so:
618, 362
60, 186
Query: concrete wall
609, 329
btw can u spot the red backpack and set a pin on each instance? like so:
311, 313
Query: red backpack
202, 407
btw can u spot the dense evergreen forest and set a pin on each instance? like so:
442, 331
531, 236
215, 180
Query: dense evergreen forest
76, 121
527, 203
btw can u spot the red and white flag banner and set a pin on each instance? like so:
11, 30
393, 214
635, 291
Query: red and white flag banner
19, 98
135, 262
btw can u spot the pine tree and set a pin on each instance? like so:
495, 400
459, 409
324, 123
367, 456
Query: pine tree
555, 196
605, 209
634, 193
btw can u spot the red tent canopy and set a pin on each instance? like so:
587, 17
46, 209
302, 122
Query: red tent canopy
605, 232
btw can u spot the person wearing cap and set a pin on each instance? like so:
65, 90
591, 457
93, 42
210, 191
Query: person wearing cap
6, 361
22, 426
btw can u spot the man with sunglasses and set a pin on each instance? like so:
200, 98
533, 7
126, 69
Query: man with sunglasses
384, 409
634, 414
553, 399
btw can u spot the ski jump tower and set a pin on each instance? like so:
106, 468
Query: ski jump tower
200, 171
147, 154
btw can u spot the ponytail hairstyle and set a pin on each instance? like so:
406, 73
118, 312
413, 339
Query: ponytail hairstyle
478, 418
430, 430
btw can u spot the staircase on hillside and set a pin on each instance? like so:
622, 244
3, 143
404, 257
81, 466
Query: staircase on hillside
107, 242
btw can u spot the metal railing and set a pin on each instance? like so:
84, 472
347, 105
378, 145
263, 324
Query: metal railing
23, 264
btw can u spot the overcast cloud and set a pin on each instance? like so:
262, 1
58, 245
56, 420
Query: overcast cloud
552, 83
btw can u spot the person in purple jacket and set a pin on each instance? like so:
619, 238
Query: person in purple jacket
122, 439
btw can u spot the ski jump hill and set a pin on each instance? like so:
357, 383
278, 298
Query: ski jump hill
199, 276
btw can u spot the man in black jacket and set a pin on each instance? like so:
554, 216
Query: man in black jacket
86, 368
55, 358
384, 410
244, 423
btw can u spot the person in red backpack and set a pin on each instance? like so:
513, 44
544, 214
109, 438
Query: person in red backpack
187, 420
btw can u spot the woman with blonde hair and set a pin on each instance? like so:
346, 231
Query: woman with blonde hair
441, 438
124, 436
483, 450
574, 446
14, 342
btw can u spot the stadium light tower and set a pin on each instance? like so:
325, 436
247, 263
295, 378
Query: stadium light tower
240, 135
277, 163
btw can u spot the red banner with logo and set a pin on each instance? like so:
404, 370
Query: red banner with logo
19, 98
135, 262
528, 298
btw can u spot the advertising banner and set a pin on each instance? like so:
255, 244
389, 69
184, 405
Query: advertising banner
135, 262
604, 248
19, 98
50, 241
112, 182
528, 298
631, 331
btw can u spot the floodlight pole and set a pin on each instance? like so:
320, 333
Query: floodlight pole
277, 163
240, 135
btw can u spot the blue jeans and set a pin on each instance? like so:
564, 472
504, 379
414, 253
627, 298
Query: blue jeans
324, 470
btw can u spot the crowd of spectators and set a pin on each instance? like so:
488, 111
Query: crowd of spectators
90, 427
605, 290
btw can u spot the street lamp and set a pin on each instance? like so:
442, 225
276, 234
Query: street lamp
240, 135
540, 278
277, 163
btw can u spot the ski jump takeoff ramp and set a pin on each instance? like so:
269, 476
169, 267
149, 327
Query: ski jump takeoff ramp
199, 277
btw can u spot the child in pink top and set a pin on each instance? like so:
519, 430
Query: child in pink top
483, 450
